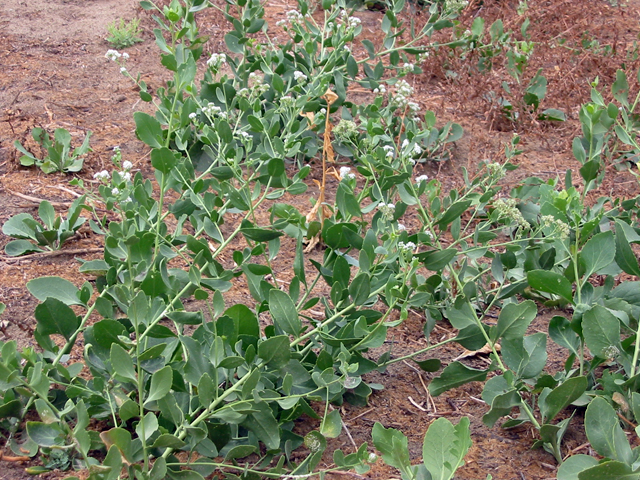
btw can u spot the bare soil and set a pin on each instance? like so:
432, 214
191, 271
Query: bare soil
54, 74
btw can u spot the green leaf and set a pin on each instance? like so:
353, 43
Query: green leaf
436, 260
121, 438
331, 425
45, 434
514, 320
501, 405
56, 318
264, 425
163, 160
620, 88
360, 289
561, 396
167, 440
148, 129
625, 258
260, 234
550, 282
160, 384
445, 447
17, 248
604, 432
526, 356
454, 375
54, 287
561, 332
147, 426
575, 464
47, 214
598, 252
284, 313
429, 365
122, 363
16, 226
393, 446
453, 212
601, 330
275, 351
610, 471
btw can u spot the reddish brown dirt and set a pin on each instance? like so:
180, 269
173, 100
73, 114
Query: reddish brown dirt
54, 74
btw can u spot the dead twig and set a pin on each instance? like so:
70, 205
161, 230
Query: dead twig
38, 200
54, 253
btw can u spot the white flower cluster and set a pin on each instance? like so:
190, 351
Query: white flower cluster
506, 208
351, 22
559, 226
389, 151
495, 170
299, 76
294, 17
244, 136
422, 57
345, 172
387, 210
380, 89
287, 101
407, 68
403, 93
455, 5
407, 247
212, 110
422, 178
415, 150
345, 130
401, 227
115, 55
257, 87
103, 176
216, 61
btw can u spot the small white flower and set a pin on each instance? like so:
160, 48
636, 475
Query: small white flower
113, 55
299, 76
344, 171
127, 165
103, 175
387, 209
216, 60
244, 135
115, 191
323, 110
125, 55
123, 70
405, 143
417, 150
422, 178
193, 115
128, 199
126, 176
401, 227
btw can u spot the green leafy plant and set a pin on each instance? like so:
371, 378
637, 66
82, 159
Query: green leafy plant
609, 440
443, 449
58, 156
50, 234
123, 34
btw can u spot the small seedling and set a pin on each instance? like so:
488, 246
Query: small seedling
59, 157
124, 34
50, 234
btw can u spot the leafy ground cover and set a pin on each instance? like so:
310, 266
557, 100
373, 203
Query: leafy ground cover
215, 258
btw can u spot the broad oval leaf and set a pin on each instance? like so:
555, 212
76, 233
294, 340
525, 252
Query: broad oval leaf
54, 287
